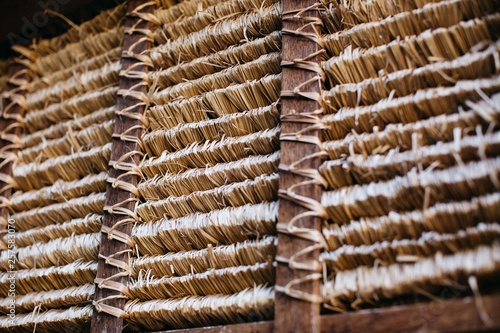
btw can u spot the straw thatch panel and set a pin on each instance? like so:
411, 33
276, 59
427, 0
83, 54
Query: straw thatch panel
206, 238
59, 175
411, 115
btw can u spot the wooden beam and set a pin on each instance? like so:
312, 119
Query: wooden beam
299, 56
455, 315
17, 78
119, 198
258, 327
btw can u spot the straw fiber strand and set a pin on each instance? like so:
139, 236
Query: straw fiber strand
209, 182
59, 175
199, 230
248, 305
54, 277
199, 261
409, 130
354, 287
458, 215
53, 299
70, 320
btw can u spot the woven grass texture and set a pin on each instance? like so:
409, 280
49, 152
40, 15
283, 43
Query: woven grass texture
206, 238
59, 175
411, 118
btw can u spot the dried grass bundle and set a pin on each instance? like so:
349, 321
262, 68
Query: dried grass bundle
197, 231
247, 305
215, 62
260, 189
267, 64
87, 225
355, 65
58, 192
76, 106
220, 11
440, 218
68, 167
228, 280
79, 83
198, 261
339, 15
217, 37
104, 21
443, 14
90, 46
89, 64
57, 252
230, 125
472, 65
232, 99
212, 152
358, 169
60, 212
70, 320
53, 299
167, 13
60, 129
481, 114
409, 109
93, 136
365, 284
204, 179
386, 253
414, 190
47, 279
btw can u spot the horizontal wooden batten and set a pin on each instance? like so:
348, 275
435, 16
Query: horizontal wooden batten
456, 315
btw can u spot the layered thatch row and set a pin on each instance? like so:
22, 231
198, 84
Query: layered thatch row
209, 179
59, 176
411, 115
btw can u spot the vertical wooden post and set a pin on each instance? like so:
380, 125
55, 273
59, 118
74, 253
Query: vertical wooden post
12, 108
114, 254
297, 307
